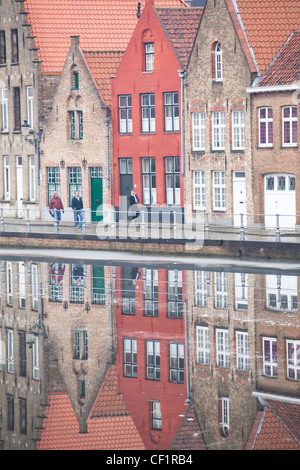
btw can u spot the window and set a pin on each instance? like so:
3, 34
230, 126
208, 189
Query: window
171, 111
219, 190
221, 290
172, 170
10, 414
4, 109
14, 46
22, 282
9, 284
270, 365
198, 131
176, 351
75, 182
81, 389
22, 353
53, 181
175, 304
156, 415
218, 130
76, 125
75, 80
6, 178
149, 57
17, 109
241, 291
149, 181
78, 283
35, 358
30, 106
125, 114
201, 288
23, 415
32, 178
81, 345
10, 351
148, 112
218, 63
293, 359
242, 351
199, 189
56, 273
282, 293
151, 292
222, 344
265, 127
238, 130
203, 347
224, 416
34, 287
98, 285
153, 360
2, 48
130, 357
289, 126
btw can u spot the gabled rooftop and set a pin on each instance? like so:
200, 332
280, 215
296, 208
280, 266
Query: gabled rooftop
189, 435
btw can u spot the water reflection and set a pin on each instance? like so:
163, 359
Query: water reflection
147, 357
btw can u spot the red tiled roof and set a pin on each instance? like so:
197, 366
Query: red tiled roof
189, 435
181, 26
105, 25
285, 69
102, 66
110, 427
268, 25
277, 428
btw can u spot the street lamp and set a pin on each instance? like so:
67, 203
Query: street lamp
36, 142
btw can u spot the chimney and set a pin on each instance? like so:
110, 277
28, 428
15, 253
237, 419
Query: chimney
74, 40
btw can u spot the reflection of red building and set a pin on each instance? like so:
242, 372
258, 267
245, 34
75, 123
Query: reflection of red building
150, 351
146, 107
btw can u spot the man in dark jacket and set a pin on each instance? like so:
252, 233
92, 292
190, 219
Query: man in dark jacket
56, 206
77, 206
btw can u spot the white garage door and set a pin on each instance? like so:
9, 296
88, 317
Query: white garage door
280, 198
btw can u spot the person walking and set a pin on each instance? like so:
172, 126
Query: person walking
77, 206
55, 207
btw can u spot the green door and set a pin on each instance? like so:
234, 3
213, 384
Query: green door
96, 193
98, 285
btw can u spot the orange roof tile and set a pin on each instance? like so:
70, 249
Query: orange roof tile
105, 25
109, 416
268, 25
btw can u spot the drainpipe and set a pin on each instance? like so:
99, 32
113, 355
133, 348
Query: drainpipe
106, 121
182, 75
188, 397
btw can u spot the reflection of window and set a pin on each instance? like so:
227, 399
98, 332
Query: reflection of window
10, 414
10, 351
2, 47
153, 360
176, 351
23, 416
221, 290
9, 283
242, 351
293, 359
172, 171
78, 281
223, 351
282, 292
241, 291
6, 178
56, 273
22, 353
156, 415
1, 354
201, 288
98, 285
175, 304
151, 292
35, 358
130, 357
4, 109
270, 365
81, 345
224, 424
21, 284
203, 347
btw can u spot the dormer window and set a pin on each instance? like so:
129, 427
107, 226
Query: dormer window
218, 63
149, 57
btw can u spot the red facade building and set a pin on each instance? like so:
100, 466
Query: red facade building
146, 103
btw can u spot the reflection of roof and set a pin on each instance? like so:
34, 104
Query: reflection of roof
285, 69
101, 24
181, 26
109, 427
276, 428
189, 435
102, 66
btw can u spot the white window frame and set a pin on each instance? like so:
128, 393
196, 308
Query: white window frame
22, 285
293, 367
223, 348
238, 130
221, 290
282, 293
272, 364
148, 113
290, 120
199, 196
149, 57
219, 190
241, 291
35, 359
30, 115
267, 120
10, 352
202, 345
218, 63
198, 131
218, 130
242, 351
34, 286
9, 283
6, 174
201, 288
225, 416
5, 122
156, 415
32, 187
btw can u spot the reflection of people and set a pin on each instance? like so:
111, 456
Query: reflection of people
77, 206
78, 274
135, 275
57, 274
56, 206
133, 201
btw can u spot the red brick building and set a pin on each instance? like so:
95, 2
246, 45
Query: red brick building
146, 103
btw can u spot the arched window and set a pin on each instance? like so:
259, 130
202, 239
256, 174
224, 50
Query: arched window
218, 62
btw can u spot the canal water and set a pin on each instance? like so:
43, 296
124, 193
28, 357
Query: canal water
135, 353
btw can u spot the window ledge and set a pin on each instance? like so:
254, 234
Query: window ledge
238, 150
146, 72
218, 151
14, 63
198, 152
292, 146
3, 65
262, 147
